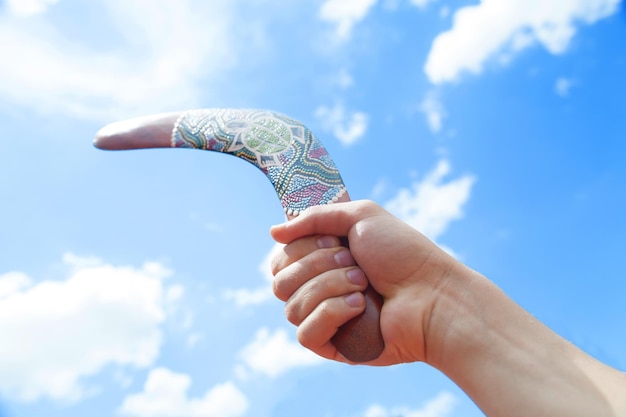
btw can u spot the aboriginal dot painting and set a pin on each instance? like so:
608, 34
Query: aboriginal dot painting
293, 159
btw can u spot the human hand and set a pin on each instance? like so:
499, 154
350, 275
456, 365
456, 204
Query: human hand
435, 310
321, 284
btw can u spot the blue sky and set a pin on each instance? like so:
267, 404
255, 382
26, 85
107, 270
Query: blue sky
136, 283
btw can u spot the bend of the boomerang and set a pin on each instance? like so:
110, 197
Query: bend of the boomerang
290, 155
299, 167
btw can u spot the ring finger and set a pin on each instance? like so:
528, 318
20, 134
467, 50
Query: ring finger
330, 284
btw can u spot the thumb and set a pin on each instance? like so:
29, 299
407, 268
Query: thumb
333, 219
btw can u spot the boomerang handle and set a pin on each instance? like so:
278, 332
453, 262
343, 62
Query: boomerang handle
358, 340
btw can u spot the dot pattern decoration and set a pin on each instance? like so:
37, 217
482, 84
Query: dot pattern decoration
294, 160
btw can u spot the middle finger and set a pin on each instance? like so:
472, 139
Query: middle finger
289, 279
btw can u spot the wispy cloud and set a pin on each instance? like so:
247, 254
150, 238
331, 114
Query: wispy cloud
431, 204
563, 85
344, 14
496, 27
440, 406
56, 333
422, 3
244, 297
343, 79
346, 126
29, 7
433, 110
165, 394
165, 49
273, 354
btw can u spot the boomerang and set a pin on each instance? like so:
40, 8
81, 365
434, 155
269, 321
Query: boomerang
287, 152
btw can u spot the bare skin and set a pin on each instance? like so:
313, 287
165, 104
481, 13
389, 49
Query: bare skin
436, 310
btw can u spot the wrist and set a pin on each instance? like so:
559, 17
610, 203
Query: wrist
509, 363
454, 321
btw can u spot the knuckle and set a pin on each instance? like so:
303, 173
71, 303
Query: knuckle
277, 259
320, 261
276, 287
305, 338
325, 312
320, 290
302, 337
312, 210
279, 287
275, 266
308, 296
366, 206
292, 315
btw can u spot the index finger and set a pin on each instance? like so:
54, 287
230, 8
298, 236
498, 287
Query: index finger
299, 248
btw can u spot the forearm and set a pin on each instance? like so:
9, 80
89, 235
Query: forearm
441, 312
512, 365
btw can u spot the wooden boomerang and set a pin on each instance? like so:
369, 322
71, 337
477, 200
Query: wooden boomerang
294, 160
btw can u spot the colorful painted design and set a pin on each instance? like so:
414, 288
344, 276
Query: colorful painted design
294, 160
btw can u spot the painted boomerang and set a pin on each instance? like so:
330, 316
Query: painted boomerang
294, 160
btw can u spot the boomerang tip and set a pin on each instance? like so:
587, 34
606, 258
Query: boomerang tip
139, 133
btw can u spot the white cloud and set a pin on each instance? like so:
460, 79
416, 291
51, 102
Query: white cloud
422, 3
29, 7
174, 294
348, 128
390, 5
562, 86
13, 282
193, 339
165, 395
440, 406
274, 354
379, 189
432, 204
163, 49
494, 27
57, 333
244, 297
345, 14
432, 108
343, 79
265, 267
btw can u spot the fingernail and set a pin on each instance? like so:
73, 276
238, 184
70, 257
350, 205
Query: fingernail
356, 276
344, 258
326, 242
354, 300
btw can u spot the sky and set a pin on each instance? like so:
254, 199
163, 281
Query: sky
137, 283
